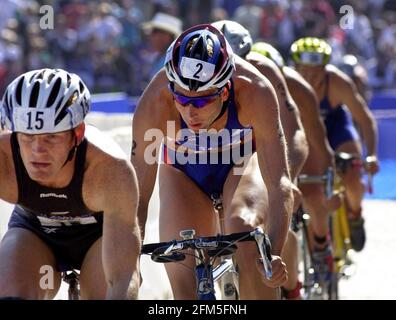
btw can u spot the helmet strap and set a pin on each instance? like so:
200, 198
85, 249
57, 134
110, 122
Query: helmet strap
224, 106
72, 150
78, 135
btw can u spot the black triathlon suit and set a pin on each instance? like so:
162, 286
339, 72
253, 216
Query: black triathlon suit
58, 216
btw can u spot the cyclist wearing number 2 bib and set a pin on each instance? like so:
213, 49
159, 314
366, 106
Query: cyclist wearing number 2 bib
206, 93
75, 203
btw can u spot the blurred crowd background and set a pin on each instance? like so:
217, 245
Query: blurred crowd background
119, 45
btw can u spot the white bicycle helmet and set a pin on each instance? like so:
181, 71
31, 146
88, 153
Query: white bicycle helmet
45, 101
237, 36
200, 59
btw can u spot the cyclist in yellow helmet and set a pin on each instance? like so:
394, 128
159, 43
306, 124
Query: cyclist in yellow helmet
319, 159
340, 102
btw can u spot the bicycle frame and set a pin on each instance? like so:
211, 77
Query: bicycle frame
72, 278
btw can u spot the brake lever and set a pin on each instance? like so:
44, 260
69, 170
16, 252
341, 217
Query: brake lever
259, 235
173, 246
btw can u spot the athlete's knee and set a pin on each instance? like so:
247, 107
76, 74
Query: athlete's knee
352, 179
247, 256
314, 196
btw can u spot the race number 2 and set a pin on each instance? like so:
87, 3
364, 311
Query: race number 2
196, 69
199, 69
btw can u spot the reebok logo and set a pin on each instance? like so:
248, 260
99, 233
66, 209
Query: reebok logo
54, 195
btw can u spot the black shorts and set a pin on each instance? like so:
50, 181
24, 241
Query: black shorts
69, 244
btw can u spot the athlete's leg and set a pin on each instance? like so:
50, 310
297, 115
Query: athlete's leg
92, 279
183, 206
352, 179
27, 266
315, 202
354, 192
245, 201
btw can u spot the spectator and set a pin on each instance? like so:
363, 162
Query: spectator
161, 31
249, 15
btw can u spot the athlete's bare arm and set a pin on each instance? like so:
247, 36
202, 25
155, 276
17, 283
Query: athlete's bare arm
149, 123
110, 186
289, 113
252, 89
308, 105
344, 88
8, 183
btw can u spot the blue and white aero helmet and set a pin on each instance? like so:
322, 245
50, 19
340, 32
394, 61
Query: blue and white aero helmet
237, 36
45, 101
200, 59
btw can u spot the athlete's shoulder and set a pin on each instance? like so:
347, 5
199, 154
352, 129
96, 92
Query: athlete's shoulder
247, 76
260, 61
337, 78
107, 166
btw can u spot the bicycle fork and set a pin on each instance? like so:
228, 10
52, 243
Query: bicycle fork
203, 273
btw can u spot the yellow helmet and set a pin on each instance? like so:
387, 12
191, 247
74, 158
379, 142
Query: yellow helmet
270, 52
310, 51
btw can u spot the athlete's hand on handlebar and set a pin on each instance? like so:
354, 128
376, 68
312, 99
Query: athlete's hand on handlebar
279, 272
371, 165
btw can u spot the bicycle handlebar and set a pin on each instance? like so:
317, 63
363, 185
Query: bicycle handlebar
327, 178
214, 242
343, 161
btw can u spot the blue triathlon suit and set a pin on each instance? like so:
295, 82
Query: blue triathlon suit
58, 216
209, 176
338, 121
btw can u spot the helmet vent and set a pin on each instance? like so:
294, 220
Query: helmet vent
18, 93
68, 81
81, 86
31, 78
54, 92
50, 77
40, 75
34, 95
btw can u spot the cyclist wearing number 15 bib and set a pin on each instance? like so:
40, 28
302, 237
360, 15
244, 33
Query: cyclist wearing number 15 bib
74, 202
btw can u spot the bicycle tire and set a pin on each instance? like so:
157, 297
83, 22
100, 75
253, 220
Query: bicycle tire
307, 281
